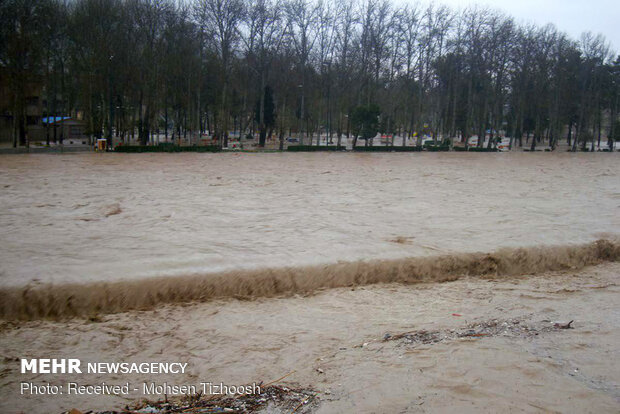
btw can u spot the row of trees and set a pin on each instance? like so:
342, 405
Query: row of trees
135, 67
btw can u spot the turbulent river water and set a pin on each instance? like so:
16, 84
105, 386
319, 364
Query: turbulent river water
83, 218
91, 234
79, 218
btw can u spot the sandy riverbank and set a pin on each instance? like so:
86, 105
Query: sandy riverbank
334, 343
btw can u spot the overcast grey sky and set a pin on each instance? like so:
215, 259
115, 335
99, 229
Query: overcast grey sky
571, 16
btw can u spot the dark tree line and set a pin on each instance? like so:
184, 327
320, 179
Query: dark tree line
134, 68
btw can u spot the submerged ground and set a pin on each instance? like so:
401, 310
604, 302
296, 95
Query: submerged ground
85, 217
515, 360
474, 344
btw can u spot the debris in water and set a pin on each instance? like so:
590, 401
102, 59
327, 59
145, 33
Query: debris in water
515, 327
402, 240
563, 325
271, 397
112, 210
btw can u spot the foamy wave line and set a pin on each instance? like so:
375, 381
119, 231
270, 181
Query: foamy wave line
85, 300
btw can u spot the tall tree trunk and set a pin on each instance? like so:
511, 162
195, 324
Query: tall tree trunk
261, 119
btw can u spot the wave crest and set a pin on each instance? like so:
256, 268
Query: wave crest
55, 301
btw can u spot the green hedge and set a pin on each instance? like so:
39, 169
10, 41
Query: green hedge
388, 148
373, 149
475, 149
483, 149
407, 149
166, 148
436, 148
312, 148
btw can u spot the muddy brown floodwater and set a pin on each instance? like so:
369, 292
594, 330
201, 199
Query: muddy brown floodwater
92, 235
333, 343
93, 217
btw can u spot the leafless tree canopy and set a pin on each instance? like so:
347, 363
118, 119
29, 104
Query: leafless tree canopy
302, 67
